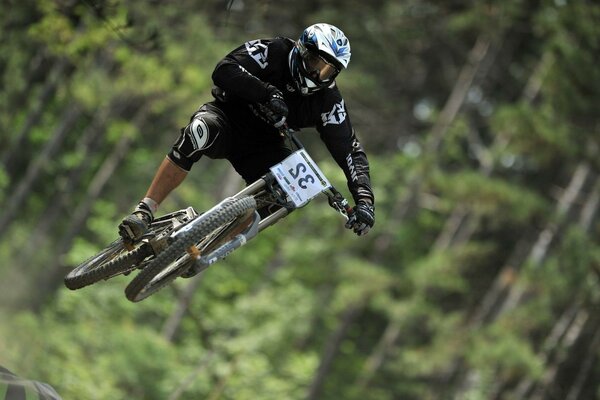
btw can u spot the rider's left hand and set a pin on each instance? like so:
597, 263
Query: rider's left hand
363, 218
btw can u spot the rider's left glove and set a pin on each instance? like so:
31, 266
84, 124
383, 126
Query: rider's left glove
363, 218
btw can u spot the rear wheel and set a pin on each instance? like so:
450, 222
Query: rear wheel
116, 258
174, 261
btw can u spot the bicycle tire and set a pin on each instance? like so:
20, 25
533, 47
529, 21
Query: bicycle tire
164, 268
115, 259
90, 272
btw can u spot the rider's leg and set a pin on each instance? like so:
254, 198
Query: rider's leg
168, 177
253, 161
205, 134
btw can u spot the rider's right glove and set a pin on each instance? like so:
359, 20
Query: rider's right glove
275, 108
363, 218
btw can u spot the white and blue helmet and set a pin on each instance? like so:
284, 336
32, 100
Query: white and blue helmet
318, 57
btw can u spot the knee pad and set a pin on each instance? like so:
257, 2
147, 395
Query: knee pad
196, 139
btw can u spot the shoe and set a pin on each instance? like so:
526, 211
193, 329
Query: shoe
134, 226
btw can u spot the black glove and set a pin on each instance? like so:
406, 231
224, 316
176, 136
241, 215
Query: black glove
363, 218
274, 109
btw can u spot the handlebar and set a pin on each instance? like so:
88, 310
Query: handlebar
339, 203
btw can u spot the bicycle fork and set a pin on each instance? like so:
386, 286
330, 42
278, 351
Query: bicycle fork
202, 261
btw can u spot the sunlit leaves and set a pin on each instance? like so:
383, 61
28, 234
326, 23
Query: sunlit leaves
500, 351
261, 322
489, 196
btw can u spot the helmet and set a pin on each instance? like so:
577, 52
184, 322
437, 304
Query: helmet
318, 57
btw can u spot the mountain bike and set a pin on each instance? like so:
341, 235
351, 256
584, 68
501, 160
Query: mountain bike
185, 242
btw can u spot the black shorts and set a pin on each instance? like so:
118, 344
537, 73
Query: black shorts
211, 133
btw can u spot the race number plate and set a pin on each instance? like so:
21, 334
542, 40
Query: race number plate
300, 177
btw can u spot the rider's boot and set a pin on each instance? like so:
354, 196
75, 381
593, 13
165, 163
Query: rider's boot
134, 226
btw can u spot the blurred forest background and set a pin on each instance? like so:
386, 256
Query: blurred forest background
480, 279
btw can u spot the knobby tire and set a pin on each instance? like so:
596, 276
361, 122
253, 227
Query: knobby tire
94, 270
145, 284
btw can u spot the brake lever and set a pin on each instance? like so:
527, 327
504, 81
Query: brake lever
341, 205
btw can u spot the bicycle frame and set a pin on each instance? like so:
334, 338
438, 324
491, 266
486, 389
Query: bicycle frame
265, 186
210, 236
268, 184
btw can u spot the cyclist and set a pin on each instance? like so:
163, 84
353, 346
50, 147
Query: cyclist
259, 86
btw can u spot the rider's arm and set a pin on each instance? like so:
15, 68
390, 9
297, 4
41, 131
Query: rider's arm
245, 71
353, 161
339, 137
233, 78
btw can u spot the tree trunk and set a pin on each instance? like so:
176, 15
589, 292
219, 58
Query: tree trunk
552, 343
570, 338
57, 207
51, 278
34, 117
404, 208
189, 380
377, 356
446, 118
540, 249
462, 224
171, 326
506, 291
16, 201
507, 294
590, 208
586, 367
330, 351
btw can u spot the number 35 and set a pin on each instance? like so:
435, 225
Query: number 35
301, 169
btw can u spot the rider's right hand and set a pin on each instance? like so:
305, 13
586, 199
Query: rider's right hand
277, 110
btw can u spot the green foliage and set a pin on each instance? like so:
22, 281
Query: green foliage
499, 351
575, 46
528, 132
443, 298
74, 358
489, 197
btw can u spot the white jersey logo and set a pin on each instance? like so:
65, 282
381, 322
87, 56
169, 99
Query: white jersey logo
258, 51
336, 116
199, 135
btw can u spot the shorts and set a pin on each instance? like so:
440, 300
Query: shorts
211, 133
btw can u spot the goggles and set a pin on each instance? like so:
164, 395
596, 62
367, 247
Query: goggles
317, 68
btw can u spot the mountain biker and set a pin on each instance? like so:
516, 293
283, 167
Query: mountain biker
260, 86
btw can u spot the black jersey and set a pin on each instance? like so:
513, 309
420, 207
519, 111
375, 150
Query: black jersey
233, 127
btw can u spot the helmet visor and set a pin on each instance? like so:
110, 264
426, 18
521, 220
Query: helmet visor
317, 68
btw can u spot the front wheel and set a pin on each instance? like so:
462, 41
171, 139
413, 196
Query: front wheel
174, 261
